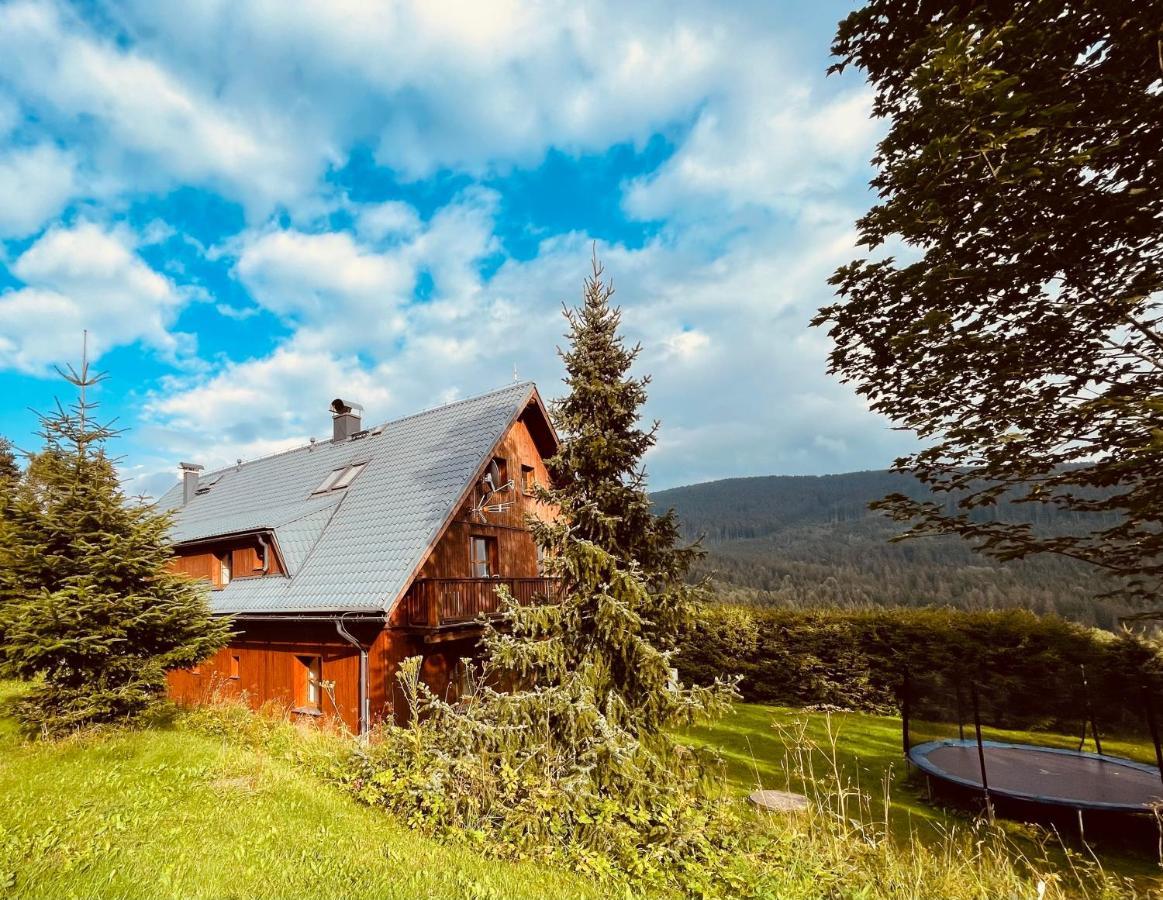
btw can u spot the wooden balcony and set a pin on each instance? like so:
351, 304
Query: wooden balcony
440, 604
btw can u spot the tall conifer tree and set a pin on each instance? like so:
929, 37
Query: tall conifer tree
92, 610
9, 482
625, 599
578, 749
9, 470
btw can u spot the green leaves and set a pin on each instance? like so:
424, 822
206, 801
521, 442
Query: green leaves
1023, 168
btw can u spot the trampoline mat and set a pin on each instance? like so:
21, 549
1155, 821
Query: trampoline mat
1044, 774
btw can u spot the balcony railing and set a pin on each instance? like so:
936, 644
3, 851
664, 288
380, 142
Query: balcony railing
438, 602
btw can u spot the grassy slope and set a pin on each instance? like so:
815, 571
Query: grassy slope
164, 812
755, 742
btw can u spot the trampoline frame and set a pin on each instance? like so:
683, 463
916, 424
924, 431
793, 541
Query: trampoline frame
982, 787
918, 756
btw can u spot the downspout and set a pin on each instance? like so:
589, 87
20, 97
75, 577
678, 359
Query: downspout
364, 700
266, 553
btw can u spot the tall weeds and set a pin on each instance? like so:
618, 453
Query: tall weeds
843, 846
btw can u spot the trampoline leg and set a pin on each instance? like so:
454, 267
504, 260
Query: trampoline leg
1159, 828
929, 788
1081, 830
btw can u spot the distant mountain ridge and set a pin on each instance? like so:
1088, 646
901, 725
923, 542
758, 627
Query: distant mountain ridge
804, 540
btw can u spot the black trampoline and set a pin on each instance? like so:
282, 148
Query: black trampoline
1034, 782
1050, 775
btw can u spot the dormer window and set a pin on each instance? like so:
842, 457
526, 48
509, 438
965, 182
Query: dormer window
338, 479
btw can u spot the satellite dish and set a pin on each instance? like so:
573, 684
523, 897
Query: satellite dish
489, 483
494, 475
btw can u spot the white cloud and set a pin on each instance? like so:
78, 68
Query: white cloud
257, 101
469, 86
325, 279
137, 117
36, 183
769, 151
685, 345
84, 278
739, 379
345, 295
256, 407
238, 313
377, 221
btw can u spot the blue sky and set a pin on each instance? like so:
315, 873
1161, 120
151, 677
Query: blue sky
255, 207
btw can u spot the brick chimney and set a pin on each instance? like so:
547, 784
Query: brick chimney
346, 419
189, 480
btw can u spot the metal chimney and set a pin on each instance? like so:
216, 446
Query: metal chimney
189, 480
346, 419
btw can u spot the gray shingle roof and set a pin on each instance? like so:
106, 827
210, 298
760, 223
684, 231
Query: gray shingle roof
354, 549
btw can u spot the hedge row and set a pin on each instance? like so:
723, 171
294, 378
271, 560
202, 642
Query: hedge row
1028, 669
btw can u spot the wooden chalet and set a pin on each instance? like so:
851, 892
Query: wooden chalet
338, 560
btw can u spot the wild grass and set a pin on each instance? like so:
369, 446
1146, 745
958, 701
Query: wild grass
861, 754
848, 828
221, 802
846, 844
168, 811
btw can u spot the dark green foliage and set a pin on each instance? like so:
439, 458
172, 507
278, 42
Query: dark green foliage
626, 598
576, 757
597, 800
811, 541
598, 478
9, 482
1027, 665
90, 610
1019, 332
9, 470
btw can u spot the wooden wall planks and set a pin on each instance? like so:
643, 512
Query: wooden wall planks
267, 666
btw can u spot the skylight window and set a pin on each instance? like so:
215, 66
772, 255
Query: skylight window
208, 482
329, 481
338, 479
348, 476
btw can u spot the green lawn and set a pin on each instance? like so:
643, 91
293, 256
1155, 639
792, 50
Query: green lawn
756, 742
170, 812
165, 812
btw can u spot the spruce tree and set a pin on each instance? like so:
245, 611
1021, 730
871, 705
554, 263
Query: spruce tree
576, 752
9, 471
624, 597
91, 612
9, 482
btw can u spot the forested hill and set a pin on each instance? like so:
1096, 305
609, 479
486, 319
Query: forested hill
811, 540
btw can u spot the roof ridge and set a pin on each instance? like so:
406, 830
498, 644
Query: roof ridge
423, 412
451, 403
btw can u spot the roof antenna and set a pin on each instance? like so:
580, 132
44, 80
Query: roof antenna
514, 373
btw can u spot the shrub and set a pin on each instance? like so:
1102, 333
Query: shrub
652, 815
1028, 666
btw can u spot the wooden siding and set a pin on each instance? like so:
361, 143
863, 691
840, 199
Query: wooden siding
269, 670
201, 560
267, 666
195, 565
516, 552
